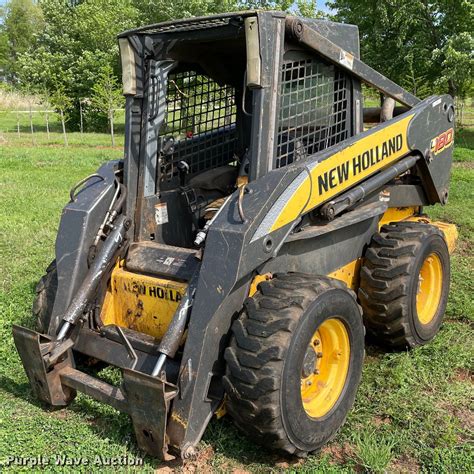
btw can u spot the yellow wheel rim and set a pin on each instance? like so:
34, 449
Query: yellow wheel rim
430, 286
325, 368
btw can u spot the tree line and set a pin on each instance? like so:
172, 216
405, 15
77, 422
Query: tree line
67, 50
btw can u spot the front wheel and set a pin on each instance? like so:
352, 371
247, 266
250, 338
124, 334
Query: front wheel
295, 362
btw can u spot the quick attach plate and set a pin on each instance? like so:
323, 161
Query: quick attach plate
148, 403
45, 383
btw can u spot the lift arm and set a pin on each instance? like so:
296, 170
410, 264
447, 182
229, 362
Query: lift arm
301, 31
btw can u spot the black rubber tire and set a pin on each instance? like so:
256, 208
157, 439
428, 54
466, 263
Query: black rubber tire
266, 353
45, 294
389, 283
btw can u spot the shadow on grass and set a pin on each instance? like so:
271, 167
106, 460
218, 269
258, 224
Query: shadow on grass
19, 390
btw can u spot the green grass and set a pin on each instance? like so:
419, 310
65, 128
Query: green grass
412, 411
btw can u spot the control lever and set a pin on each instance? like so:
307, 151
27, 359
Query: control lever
183, 169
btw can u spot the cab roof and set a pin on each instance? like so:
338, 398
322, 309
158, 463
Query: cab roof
193, 24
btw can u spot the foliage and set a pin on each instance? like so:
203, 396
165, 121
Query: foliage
60, 100
4, 48
456, 58
308, 9
373, 451
415, 42
62, 104
74, 46
107, 96
152, 11
23, 19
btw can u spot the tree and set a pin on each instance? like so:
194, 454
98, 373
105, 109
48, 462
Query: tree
107, 96
61, 103
23, 20
45, 98
153, 11
414, 42
74, 45
456, 59
4, 50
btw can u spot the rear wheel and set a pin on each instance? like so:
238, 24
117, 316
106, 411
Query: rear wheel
45, 294
405, 284
295, 362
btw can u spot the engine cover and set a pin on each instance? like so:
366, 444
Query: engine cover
140, 302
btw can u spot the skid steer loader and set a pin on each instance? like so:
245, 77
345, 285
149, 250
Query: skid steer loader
231, 261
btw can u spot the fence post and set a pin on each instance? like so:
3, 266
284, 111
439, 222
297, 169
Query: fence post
18, 123
63, 123
80, 118
46, 116
33, 141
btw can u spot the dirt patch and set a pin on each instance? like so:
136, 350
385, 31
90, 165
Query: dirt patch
404, 464
164, 470
463, 375
199, 463
463, 414
287, 463
463, 248
381, 421
467, 165
339, 453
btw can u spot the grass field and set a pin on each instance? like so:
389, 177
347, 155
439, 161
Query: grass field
413, 411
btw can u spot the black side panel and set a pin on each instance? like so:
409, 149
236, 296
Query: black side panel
324, 253
79, 224
345, 36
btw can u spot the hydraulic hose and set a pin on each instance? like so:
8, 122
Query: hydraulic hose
96, 271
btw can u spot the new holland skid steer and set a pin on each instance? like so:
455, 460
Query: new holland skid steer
232, 259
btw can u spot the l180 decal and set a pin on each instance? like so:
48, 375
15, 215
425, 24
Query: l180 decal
442, 141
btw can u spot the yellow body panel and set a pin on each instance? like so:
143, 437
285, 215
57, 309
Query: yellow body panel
349, 274
346, 168
450, 231
395, 214
140, 302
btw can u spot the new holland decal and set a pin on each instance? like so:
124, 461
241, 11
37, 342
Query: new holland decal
339, 174
323, 180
